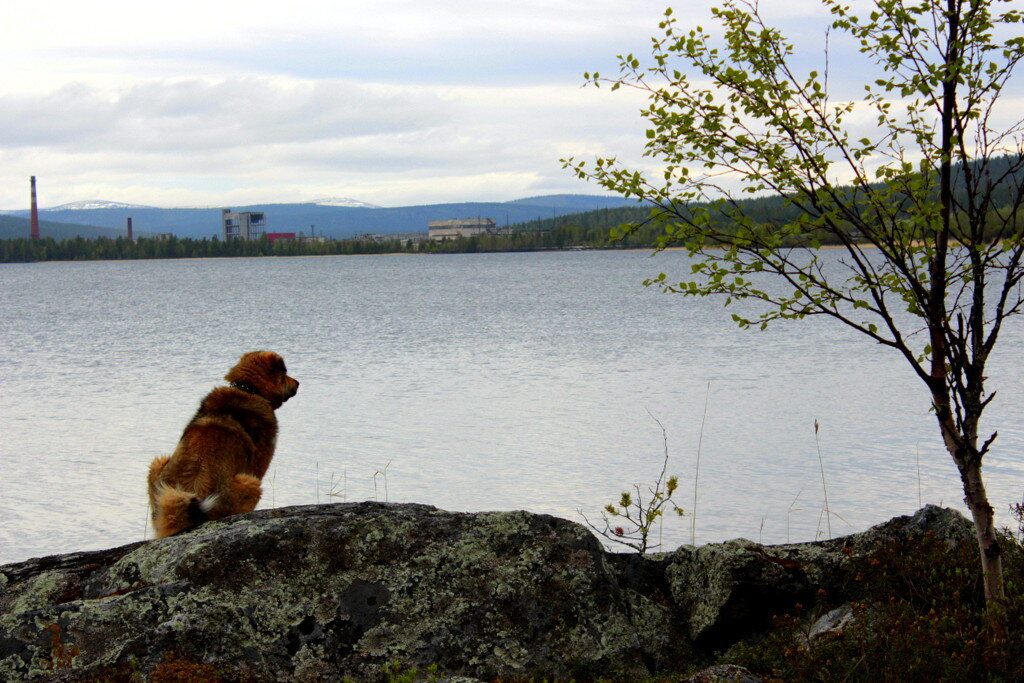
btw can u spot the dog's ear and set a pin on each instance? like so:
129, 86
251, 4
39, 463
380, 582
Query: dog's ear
273, 362
238, 372
250, 366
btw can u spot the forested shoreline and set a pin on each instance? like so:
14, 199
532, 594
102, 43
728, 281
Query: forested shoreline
601, 229
569, 236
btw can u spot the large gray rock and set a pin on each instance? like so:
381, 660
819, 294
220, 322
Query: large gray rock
321, 592
728, 591
325, 592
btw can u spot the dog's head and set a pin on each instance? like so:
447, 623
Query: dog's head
264, 373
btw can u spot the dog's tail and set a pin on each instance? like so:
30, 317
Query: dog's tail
175, 510
156, 468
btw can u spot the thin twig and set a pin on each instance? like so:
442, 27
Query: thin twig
661, 477
919, 503
696, 470
824, 488
791, 510
383, 472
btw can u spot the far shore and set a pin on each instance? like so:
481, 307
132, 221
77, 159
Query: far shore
392, 253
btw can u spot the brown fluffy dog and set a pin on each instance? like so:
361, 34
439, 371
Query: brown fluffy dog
225, 450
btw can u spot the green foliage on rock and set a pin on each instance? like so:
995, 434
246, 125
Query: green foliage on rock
914, 612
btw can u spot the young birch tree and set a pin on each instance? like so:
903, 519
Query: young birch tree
926, 207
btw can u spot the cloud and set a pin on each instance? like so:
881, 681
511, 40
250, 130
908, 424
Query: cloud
393, 41
393, 102
257, 138
184, 115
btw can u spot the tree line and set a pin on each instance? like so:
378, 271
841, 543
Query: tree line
621, 228
569, 234
104, 248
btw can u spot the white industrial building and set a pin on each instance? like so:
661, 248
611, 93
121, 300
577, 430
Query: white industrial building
460, 227
245, 225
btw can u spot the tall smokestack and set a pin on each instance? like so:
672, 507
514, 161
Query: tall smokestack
35, 212
130, 228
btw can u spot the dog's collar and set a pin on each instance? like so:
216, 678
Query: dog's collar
246, 387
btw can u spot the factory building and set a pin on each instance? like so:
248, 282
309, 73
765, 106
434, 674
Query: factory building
245, 225
460, 227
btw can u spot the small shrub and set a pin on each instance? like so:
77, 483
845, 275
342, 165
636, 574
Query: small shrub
631, 521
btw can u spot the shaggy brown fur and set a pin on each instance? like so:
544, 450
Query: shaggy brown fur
225, 450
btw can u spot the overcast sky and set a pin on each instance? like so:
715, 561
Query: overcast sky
392, 102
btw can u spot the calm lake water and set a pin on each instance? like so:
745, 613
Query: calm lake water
469, 382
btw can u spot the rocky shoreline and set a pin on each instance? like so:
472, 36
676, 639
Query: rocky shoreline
357, 590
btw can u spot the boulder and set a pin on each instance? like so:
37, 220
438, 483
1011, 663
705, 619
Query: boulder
726, 592
367, 590
324, 592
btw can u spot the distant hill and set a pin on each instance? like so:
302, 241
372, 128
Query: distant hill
333, 218
1006, 172
12, 227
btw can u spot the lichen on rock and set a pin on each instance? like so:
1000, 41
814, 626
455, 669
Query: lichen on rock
353, 590
342, 590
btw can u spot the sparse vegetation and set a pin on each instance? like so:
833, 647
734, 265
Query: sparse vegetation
631, 522
917, 614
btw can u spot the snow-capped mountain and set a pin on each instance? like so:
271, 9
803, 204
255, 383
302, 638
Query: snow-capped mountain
344, 201
89, 204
